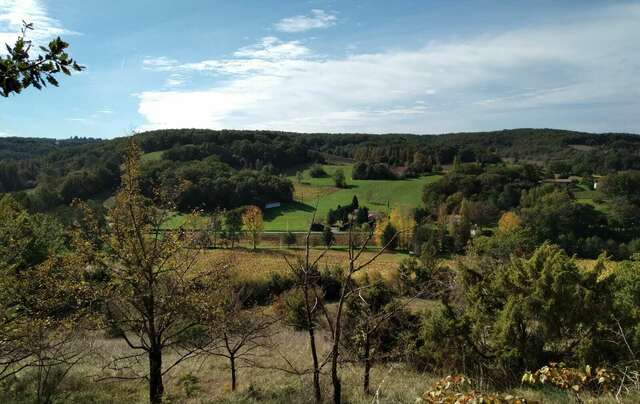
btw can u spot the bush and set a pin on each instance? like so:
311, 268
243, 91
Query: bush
291, 306
389, 237
327, 236
264, 292
331, 282
440, 345
522, 313
191, 385
316, 171
339, 179
288, 239
377, 171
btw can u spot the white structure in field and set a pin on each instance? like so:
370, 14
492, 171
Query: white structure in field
272, 205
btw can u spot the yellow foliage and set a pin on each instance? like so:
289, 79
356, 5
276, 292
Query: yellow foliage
253, 223
379, 231
404, 222
509, 222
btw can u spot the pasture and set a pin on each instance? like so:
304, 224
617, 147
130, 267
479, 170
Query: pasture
320, 194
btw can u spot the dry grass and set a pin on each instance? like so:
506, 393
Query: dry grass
392, 382
262, 263
307, 193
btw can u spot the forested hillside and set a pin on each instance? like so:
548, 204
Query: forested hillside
59, 171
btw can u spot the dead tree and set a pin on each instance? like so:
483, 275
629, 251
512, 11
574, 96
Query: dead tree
242, 336
348, 288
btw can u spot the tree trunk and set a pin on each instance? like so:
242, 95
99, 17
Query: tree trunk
335, 349
232, 361
367, 365
316, 366
335, 379
156, 388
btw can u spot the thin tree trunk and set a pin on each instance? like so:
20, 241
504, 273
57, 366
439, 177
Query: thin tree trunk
337, 333
367, 364
314, 351
232, 361
156, 388
335, 378
335, 349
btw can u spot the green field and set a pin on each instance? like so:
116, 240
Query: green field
153, 156
377, 195
589, 196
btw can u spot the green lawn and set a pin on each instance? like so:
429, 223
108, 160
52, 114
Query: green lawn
378, 195
589, 196
153, 156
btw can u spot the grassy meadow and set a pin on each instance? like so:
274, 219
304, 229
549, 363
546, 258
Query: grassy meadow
321, 194
377, 195
207, 380
261, 264
590, 196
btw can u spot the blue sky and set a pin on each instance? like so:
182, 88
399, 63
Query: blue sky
335, 66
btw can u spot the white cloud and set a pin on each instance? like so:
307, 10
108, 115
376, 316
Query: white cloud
14, 12
540, 76
272, 48
161, 63
269, 55
301, 23
175, 80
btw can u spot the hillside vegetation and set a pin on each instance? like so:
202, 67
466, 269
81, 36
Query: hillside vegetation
397, 269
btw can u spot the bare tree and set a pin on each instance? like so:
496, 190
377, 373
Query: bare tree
307, 277
55, 353
242, 336
310, 306
348, 287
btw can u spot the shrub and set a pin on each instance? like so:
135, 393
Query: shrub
316, 171
288, 239
327, 236
191, 385
339, 178
389, 237
291, 306
440, 345
331, 282
521, 314
263, 292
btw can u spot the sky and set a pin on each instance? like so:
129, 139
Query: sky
375, 66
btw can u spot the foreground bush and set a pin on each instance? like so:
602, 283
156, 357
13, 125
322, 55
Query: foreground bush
521, 314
